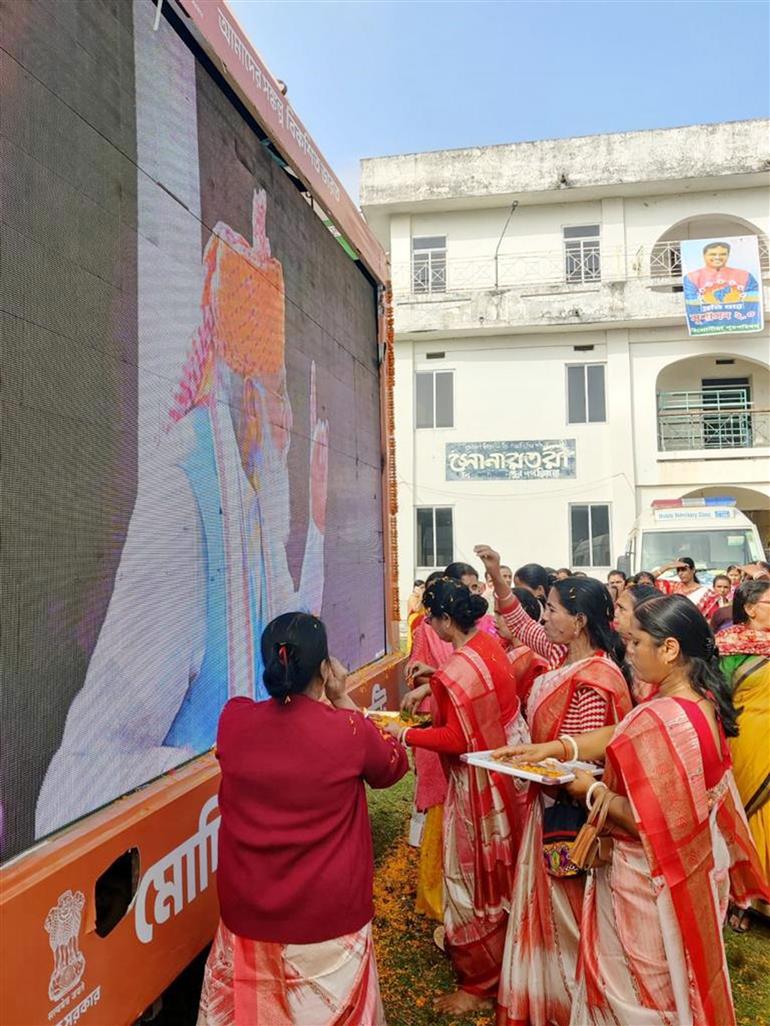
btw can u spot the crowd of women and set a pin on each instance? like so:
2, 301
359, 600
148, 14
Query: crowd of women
598, 903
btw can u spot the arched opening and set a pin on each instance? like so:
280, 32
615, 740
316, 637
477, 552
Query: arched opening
754, 504
713, 402
666, 257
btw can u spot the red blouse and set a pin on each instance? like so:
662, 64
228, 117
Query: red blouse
295, 846
449, 739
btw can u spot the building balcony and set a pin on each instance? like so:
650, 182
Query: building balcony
666, 260
715, 423
555, 288
432, 274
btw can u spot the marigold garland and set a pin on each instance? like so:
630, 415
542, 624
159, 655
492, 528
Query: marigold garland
389, 366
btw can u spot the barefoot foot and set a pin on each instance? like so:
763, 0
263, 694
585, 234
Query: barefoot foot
459, 1002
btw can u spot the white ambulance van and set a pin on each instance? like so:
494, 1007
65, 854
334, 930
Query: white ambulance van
711, 531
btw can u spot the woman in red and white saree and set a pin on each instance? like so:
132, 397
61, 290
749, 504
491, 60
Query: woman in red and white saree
704, 597
477, 709
651, 949
586, 692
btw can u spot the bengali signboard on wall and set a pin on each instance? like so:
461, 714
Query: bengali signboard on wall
511, 461
722, 282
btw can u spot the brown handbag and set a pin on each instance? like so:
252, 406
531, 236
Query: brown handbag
588, 850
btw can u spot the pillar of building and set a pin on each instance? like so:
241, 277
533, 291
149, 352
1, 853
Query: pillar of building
613, 239
619, 383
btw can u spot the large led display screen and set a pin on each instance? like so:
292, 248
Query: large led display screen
191, 432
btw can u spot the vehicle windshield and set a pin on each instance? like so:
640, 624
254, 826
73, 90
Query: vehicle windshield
709, 550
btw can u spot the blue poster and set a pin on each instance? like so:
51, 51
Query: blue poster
722, 285
511, 461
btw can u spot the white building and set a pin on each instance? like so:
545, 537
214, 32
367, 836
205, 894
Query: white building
538, 297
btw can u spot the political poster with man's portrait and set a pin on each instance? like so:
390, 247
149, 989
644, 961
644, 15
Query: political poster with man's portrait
722, 282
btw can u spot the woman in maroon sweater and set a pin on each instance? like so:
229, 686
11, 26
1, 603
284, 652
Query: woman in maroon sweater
294, 945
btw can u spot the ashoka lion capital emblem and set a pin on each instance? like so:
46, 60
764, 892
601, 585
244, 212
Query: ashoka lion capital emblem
63, 926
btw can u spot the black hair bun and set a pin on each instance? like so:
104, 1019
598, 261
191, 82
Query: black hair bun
447, 597
466, 608
293, 647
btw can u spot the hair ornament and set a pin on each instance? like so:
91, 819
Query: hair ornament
283, 654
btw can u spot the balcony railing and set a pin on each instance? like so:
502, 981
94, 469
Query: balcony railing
576, 266
437, 272
666, 258
711, 419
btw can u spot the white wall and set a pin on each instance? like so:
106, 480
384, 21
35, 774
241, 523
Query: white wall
513, 386
656, 356
507, 389
633, 223
647, 218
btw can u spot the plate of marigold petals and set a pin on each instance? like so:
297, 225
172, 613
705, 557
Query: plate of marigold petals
549, 771
403, 718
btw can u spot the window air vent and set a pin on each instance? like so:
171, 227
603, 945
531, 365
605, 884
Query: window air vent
583, 349
435, 356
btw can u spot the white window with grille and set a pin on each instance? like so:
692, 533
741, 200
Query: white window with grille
429, 263
582, 254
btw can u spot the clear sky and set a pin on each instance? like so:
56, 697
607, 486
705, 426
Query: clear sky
381, 77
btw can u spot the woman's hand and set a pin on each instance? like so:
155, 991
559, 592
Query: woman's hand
530, 753
418, 674
389, 727
489, 558
335, 679
491, 561
673, 565
412, 699
578, 788
755, 571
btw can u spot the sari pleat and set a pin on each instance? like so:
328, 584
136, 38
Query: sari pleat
537, 982
483, 814
257, 983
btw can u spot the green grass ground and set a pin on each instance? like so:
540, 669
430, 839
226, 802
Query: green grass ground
413, 970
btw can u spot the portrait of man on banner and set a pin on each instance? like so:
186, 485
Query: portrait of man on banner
722, 285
